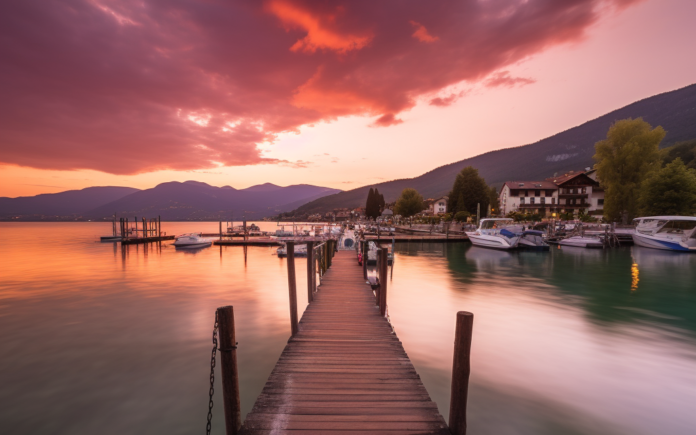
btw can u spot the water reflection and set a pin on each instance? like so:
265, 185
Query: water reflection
109, 339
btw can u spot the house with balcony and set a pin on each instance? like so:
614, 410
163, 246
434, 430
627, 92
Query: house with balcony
574, 192
529, 197
439, 206
578, 191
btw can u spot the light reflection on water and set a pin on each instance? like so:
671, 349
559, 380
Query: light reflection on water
99, 339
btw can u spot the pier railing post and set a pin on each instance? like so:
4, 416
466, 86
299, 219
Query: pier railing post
383, 278
292, 285
310, 272
228, 367
461, 367
365, 249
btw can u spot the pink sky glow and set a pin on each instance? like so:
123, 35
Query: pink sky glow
339, 94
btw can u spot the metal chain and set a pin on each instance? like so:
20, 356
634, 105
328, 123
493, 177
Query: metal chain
208, 426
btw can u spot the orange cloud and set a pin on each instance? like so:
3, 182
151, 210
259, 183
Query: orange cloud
503, 78
387, 120
320, 35
422, 34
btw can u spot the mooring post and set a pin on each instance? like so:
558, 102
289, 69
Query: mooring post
228, 367
383, 278
378, 273
290, 246
461, 368
365, 252
220, 230
159, 225
310, 269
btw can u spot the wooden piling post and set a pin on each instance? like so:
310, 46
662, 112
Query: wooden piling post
461, 368
220, 230
365, 252
292, 285
159, 226
310, 271
383, 278
228, 367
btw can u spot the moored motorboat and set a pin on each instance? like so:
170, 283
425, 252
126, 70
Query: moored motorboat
191, 240
496, 233
670, 233
582, 242
299, 251
532, 240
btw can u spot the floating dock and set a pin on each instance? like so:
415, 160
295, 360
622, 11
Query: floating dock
345, 371
429, 238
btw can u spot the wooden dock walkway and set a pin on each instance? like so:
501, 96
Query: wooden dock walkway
345, 371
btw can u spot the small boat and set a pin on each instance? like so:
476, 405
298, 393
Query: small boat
496, 233
191, 240
532, 240
582, 242
115, 236
300, 251
669, 233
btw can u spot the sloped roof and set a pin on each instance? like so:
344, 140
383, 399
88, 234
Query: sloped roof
543, 185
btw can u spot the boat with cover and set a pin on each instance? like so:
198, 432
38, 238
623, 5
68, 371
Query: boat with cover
533, 240
496, 233
191, 240
669, 233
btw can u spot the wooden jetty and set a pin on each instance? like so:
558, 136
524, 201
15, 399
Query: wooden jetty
429, 238
344, 369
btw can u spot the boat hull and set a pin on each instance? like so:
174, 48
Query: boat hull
193, 245
582, 242
662, 244
490, 242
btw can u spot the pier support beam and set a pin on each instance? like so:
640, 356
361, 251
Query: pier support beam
292, 286
228, 367
461, 367
383, 278
310, 272
365, 249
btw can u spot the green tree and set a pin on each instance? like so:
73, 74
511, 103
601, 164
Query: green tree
494, 201
371, 205
669, 191
628, 155
379, 200
409, 203
461, 216
468, 190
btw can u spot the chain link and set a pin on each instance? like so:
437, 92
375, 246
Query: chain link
208, 426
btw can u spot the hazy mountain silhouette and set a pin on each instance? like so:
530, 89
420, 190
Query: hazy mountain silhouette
193, 200
71, 202
570, 150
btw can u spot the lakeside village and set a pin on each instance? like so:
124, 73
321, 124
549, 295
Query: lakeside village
634, 188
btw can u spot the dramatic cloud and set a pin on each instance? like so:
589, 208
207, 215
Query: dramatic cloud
139, 85
503, 79
446, 101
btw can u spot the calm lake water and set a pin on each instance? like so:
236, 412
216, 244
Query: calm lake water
96, 338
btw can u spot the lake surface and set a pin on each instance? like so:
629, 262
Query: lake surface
96, 338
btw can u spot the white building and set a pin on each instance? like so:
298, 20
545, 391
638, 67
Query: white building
571, 192
439, 206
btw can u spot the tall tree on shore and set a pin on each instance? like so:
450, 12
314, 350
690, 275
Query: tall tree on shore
468, 190
669, 191
628, 155
379, 199
372, 205
409, 203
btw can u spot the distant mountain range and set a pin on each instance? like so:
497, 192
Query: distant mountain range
570, 150
190, 200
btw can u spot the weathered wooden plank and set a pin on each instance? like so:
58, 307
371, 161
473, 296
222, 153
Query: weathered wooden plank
345, 370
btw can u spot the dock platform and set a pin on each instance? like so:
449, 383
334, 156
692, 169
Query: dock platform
426, 238
140, 240
345, 371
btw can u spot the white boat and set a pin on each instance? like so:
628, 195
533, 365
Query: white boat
191, 240
299, 251
669, 233
496, 233
582, 242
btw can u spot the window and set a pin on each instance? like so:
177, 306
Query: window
522, 200
549, 193
584, 190
526, 193
543, 200
553, 200
600, 201
537, 193
531, 200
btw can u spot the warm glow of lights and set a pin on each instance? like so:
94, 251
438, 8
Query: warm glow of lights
634, 276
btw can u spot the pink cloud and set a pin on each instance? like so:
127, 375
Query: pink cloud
503, 79
133, 86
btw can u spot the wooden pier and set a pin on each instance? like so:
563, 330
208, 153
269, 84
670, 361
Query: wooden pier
345, 369
426, 238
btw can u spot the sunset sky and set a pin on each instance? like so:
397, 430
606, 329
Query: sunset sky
339, 94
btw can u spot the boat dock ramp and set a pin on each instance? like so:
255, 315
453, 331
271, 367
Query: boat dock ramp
344, 370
